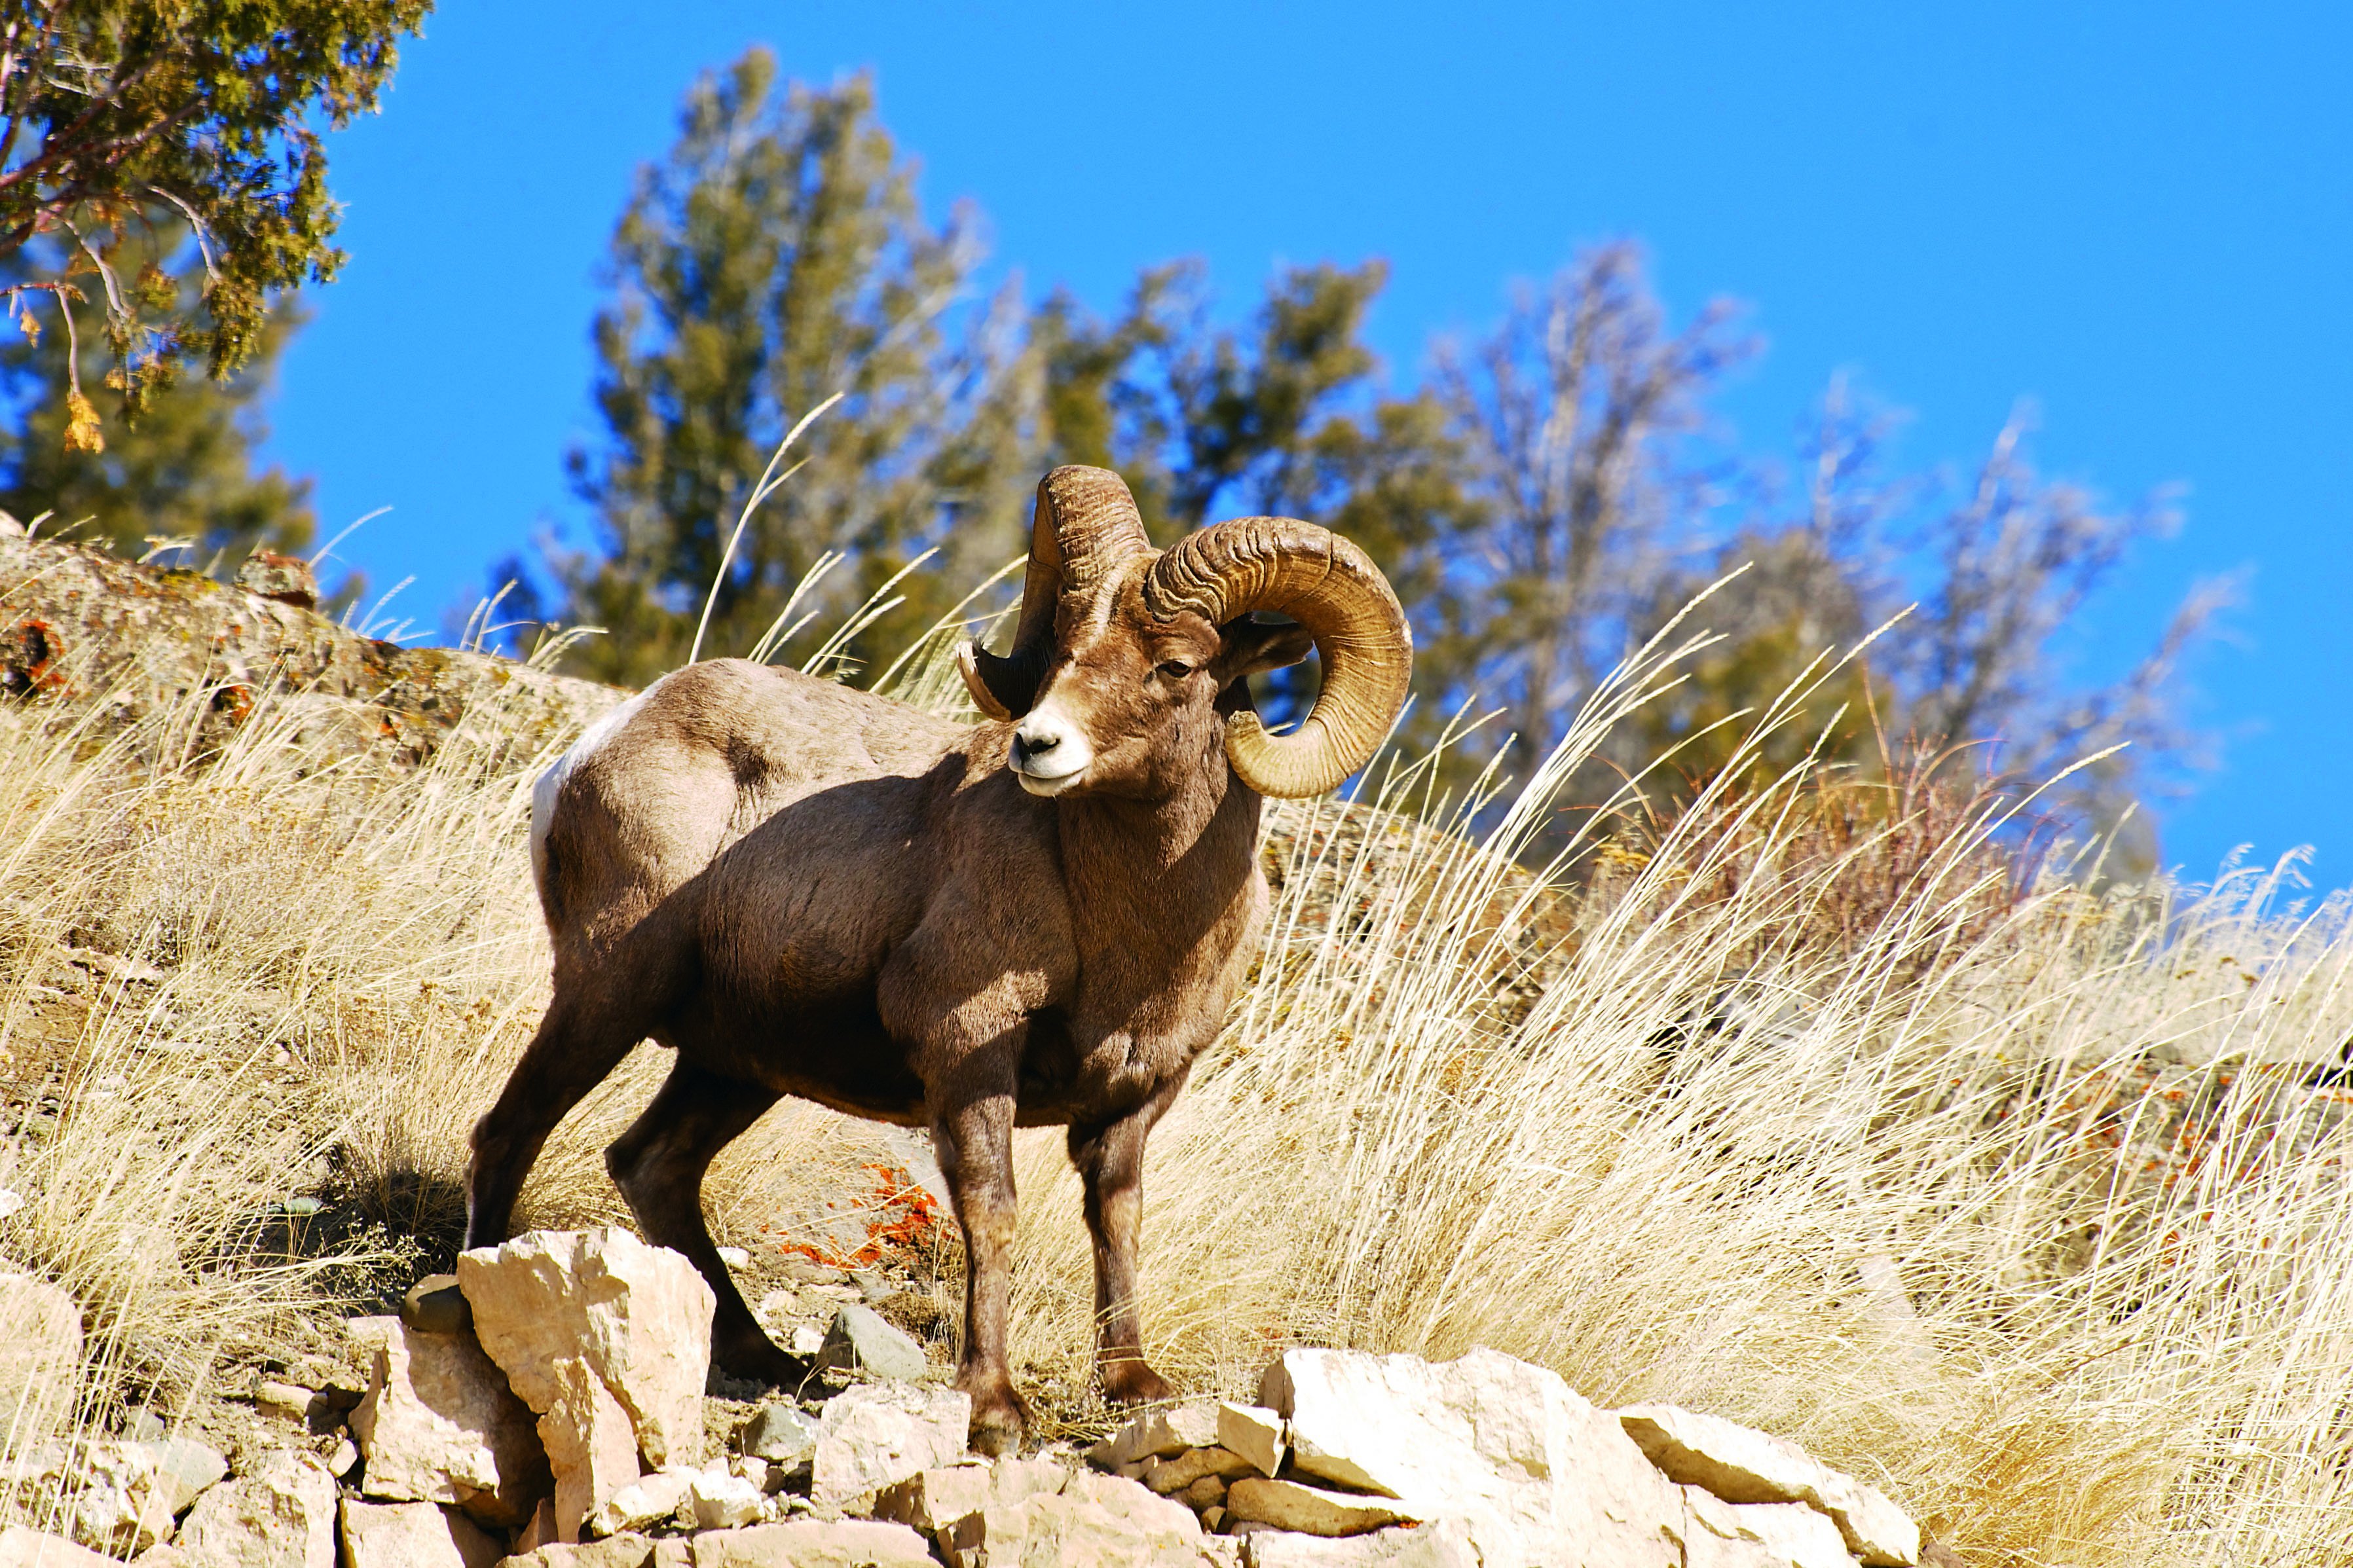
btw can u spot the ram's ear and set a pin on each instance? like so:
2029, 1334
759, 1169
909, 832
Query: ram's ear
1248, 646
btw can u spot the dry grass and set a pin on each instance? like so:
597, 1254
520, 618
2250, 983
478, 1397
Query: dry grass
2003, 1198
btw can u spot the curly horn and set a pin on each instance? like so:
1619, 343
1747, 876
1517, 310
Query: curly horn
1332, 589
1085, 523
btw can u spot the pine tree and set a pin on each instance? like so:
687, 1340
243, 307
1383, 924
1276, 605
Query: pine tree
777, 257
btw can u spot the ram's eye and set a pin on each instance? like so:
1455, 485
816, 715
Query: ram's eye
1176, 670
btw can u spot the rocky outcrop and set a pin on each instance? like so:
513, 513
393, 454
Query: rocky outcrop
76, 620
608, 1340
439, 1424
880, 1433
279, 1514
414, 1535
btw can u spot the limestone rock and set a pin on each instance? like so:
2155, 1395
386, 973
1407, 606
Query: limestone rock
279, 1514
933, 1501
1158, 1433
1255, 1433
777, 1433
647, 1501
628, 1551
123, 1495
40, 1352
723, 1502
439, 1424
812, 1544
23, 1547
608, 1340
288, 579
1792, 1536
289, 1402
1208, 1492
880, 1432
1311, 1511
1174, 1475
1444, 1544
1741, 1465
413, 1535
1537, 1475
1095, 1522
861, 1339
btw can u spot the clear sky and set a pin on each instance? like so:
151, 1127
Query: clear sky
2140, 217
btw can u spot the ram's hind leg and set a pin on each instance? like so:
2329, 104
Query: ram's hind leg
1110, 1161
577, 1044
658, 1164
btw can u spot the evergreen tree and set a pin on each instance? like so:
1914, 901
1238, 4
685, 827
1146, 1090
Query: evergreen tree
775, 258
181, 474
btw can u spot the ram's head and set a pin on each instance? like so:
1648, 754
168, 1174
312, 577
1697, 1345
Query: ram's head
1128, 666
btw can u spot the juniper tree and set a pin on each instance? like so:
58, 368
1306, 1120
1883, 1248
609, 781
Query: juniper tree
122, 119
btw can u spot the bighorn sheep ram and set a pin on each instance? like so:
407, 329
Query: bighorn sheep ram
1039, 920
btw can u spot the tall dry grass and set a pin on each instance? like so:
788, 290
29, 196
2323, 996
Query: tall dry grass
2006, 1197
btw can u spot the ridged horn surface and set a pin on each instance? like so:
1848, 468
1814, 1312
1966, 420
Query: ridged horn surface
1332, 588
1085, 521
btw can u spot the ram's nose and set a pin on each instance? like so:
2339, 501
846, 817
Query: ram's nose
1049, 752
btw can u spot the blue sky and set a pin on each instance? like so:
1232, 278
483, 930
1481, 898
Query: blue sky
2140, 218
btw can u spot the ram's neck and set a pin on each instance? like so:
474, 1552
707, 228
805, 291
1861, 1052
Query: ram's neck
1163, 877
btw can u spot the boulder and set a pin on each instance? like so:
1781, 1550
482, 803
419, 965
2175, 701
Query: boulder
279, 1514
613, 1552
779, 1433
1444, 1544
1180, 1471
40, 1351
648, 1499
413, 1535
1158, 1433
1741, 1465
723, 1502
1311, 1511
1095, 1522
1537, 1475
1255, 1433
1764, 1535
861, 1339
438, 1424
880, 1432
123, 1496
23, 1547
933, 1501
609, 1341
813, 1543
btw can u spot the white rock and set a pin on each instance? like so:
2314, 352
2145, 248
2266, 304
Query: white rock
813, 1543
879, 1433
413, 1535
1311, 1511
1095, 1522
1174, 1474
1741, 1465
1255, 1433
647, 1501
614, 1551
23, 1547
439, 1424
279, 1514
1158, 1433
932, 1500
808, 1339
736, 1258
608, 1340
723, 1502
1536, 1474
41, 1354
123, 1495
1443, 1544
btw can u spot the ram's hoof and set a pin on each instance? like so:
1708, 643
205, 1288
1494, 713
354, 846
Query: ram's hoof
1129, 1380
1000, 1418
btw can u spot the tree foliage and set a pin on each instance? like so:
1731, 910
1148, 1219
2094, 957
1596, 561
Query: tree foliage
776, 258
126, 120
181, 482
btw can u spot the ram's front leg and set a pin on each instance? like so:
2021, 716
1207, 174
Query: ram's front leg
1110, 1161
974, 1135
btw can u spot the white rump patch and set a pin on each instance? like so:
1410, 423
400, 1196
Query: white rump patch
551, 782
